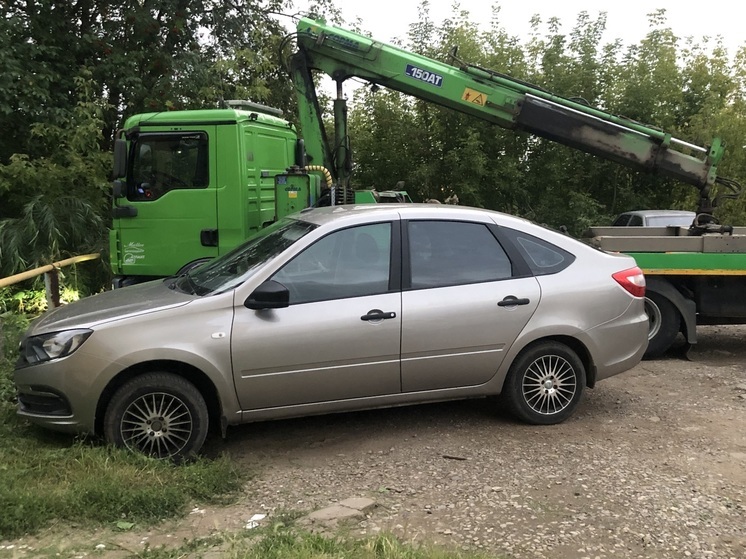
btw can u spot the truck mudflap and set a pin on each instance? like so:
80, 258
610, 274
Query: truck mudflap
685, 306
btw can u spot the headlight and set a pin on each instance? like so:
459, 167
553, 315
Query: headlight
38, 349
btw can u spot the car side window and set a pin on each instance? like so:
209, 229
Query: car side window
541, 256
352, 262
443, 253
635, 221
621, 221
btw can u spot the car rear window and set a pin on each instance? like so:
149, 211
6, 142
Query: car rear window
670, 220
541, 256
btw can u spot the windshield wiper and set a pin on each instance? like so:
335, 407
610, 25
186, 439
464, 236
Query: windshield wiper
192, 284
185, 283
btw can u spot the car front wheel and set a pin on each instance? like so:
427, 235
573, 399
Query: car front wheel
158, 414
544, 384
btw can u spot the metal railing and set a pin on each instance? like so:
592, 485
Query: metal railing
51, 276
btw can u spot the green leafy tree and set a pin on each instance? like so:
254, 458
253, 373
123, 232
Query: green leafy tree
72, 71
54, 205
689, 89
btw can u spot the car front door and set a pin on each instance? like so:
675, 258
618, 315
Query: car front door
462, 304
340, 336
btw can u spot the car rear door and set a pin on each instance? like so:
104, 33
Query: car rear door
464, 302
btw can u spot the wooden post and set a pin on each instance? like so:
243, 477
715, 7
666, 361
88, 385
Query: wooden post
52, 287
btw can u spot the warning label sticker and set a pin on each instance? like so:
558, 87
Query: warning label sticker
474, 96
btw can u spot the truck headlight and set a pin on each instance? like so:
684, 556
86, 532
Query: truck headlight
46, 347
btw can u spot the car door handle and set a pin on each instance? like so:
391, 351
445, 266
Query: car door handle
512, 300
377, 314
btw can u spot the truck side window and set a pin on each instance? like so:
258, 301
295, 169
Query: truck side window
161, 162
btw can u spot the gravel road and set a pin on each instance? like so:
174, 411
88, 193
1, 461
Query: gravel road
652, 465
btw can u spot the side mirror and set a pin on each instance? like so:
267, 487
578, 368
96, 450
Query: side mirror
118, 189
120, 158
269, 295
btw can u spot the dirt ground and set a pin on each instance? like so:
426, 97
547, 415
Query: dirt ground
653, 464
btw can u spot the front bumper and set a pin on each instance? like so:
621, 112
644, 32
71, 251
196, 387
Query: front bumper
59, 394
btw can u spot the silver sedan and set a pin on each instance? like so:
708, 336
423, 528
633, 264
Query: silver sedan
338, 309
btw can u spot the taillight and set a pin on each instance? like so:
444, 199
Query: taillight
632, 280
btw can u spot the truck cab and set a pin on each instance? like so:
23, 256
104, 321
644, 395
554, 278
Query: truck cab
193, 185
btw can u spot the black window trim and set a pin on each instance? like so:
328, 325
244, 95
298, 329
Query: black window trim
521, 268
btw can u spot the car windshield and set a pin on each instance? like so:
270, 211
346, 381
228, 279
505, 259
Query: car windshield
235, 267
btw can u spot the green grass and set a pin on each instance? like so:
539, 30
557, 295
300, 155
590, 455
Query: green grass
287, 544
46, 477
279, 542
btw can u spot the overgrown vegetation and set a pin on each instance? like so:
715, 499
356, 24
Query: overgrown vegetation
289, 544
279, 541
47, 477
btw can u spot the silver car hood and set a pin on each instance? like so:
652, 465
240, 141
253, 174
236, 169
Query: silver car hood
111, 305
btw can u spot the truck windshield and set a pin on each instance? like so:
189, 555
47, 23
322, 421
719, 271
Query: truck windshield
235, 267
162, 162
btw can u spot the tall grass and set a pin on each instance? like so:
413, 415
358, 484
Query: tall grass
46, 477
290, 543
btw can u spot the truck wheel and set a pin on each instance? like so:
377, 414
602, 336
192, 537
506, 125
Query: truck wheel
544, 384
665, 322
158, 414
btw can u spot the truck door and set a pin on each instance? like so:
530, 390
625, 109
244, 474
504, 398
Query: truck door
169, 217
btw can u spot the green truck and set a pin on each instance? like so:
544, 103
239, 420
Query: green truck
191, 185
255, 169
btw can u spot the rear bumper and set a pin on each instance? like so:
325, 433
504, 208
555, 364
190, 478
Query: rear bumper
620, 343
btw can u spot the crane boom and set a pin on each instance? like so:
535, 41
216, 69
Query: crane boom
490, 96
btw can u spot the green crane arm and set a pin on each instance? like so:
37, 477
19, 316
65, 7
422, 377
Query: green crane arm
493, 97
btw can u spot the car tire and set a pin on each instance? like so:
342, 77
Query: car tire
161, 415
664, 321
544, 384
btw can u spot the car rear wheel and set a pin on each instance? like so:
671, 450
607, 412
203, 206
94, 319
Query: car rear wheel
544, 384
664, 322
158, 414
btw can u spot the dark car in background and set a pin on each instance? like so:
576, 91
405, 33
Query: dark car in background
655, 218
